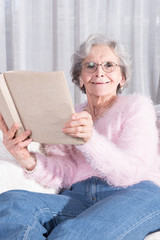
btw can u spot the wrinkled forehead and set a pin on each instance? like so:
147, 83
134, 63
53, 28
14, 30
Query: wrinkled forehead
101, 53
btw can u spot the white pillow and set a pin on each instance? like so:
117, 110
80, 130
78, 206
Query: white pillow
153, 236
11, 174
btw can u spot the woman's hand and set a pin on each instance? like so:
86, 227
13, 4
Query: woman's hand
17, 146
81, 126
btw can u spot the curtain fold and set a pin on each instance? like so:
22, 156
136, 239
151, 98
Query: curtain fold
42, 35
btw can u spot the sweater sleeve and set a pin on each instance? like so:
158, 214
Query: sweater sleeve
54, 169
126, 160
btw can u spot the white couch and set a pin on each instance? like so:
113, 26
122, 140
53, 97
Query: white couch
11, 175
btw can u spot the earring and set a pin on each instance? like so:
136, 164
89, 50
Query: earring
122, 86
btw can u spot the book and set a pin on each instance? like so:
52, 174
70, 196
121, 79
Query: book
39, 101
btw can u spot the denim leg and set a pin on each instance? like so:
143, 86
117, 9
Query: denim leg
125, 214
32, 216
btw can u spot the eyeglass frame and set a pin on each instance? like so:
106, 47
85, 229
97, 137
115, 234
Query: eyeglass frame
102, 64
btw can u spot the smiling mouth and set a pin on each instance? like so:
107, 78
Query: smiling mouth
99, 83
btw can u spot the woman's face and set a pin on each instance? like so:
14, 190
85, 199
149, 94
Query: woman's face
101, 83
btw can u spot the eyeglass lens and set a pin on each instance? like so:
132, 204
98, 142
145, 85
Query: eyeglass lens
106, 66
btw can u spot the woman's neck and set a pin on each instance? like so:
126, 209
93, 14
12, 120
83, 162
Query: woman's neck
96, 107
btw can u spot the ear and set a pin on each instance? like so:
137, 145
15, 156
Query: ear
122, 82
81, 82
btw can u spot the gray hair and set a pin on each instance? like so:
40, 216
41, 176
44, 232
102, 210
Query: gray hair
85, 48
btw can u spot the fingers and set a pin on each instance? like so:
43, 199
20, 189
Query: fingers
79, 122
10, 142
13, 143
80, 126
79, 115
83, 135
17, 149
10, 134
3, 125
23, 144
22, 137
82, 118
17, 146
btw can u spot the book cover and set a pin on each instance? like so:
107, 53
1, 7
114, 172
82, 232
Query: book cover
39, 101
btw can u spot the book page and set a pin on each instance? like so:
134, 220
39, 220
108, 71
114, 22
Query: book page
7, 107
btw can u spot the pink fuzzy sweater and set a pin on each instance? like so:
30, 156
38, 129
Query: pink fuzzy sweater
123, 149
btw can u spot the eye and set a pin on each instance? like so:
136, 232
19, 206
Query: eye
90, 65
108, 65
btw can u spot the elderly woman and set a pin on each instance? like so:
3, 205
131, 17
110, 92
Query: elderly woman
109, 186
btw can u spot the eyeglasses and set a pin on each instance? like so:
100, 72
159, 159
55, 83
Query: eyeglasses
91, 67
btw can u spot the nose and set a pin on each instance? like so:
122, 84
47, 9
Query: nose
99, 71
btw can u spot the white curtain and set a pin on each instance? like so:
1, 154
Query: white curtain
41, 35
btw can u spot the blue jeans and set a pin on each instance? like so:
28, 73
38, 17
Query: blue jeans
89, 210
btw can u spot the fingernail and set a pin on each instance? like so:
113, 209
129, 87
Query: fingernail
16, 125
